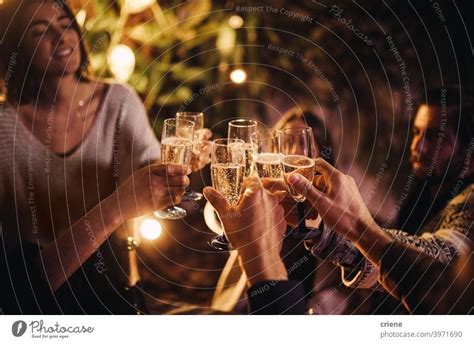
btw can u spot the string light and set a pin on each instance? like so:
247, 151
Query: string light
137, 6
121, 60
226, 40
238, 76
150, 229
236, 22
80, 17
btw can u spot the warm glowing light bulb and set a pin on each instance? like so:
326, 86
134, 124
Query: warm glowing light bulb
226, 40
136, 6
238, 76
121, 61
150, 229
236, 22
80, 17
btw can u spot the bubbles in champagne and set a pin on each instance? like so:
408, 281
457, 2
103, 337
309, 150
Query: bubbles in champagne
176, 150
248, 159
268, 165
227, 178
297, 164
198, 140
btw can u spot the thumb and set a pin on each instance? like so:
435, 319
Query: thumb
218, 201
304, 187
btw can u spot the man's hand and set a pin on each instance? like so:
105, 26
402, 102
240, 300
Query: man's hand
288, 203
336, 198
255, 227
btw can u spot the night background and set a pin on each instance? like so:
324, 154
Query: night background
360, 66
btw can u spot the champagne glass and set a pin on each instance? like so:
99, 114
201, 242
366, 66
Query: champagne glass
176, 148
298, 151
266, 157
243, 129
227, 173
198, 119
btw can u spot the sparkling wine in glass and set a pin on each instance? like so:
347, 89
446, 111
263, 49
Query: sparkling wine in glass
266, 158
198, 119
298, 151
176, 148
243, 129
227, 174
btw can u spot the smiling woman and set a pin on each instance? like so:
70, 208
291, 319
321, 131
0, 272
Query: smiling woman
51, 35
77, 161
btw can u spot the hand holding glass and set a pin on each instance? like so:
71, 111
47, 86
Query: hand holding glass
198, 119
227, 173
176, 148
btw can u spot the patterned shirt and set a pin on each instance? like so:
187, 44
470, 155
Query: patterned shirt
447, 236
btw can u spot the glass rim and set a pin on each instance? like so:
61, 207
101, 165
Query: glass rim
226, 141
236, 123
297, 129
172, 121
190, 113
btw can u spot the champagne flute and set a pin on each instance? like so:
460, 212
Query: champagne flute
243, 129
266, 157
298, 151
227, 173
198, 119
176, 148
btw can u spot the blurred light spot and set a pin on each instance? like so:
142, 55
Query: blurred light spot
121, 60
226, 40
223, 67
150, 229
236, 22
238, 76
136, 6
80, 17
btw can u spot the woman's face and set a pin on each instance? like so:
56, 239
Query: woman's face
50, 41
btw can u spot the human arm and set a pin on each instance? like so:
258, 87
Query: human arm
255, 227
150, 188
344, 211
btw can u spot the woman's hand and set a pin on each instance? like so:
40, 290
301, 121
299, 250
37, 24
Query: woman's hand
151, 188
201, 159
255, 227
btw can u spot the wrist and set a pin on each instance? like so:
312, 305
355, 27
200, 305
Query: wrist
373, 243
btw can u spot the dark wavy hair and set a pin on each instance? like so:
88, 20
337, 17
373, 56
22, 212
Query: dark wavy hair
22, 82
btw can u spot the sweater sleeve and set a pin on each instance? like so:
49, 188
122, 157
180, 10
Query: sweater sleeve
452, 238
136, 143
424, 284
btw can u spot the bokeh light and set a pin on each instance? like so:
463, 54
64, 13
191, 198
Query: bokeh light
238, 76
150, 229
236, 22
121, 60
136, 6
80, 17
